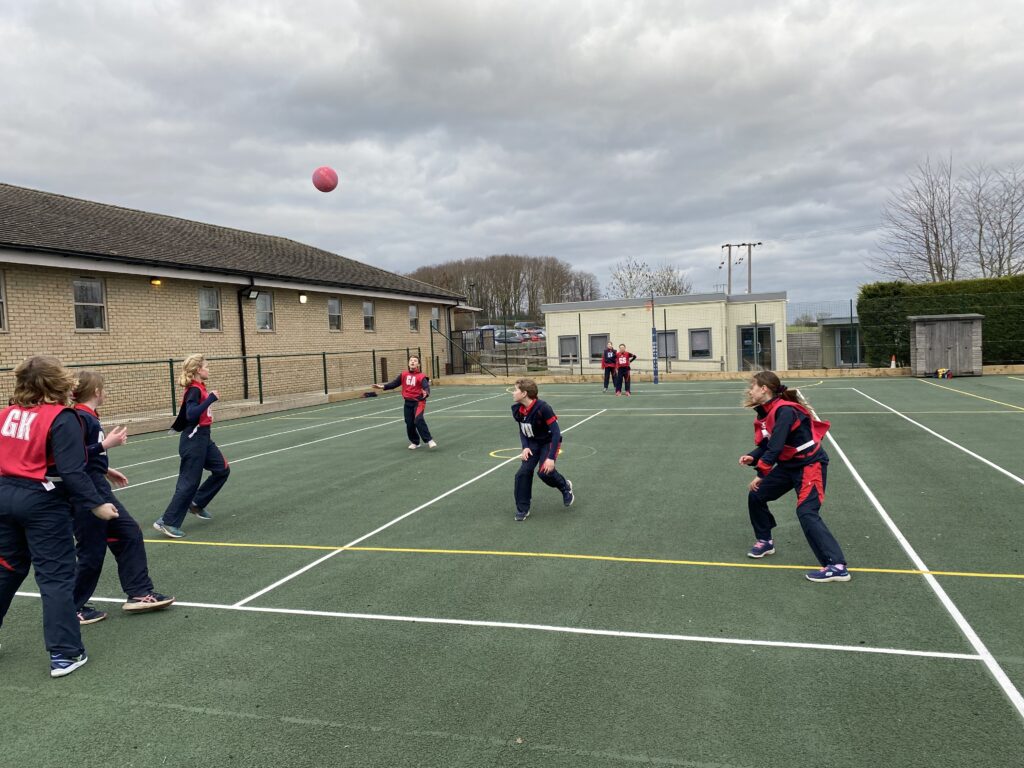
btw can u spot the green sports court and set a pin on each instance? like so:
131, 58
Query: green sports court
354, 603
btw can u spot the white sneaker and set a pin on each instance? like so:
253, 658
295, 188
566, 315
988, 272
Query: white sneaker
432, 444
413, 446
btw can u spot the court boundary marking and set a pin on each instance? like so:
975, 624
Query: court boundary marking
301, 445
575, 556
590, 631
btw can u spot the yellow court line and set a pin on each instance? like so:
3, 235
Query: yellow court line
971, 394
601, 558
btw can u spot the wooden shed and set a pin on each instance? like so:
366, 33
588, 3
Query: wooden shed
945, 341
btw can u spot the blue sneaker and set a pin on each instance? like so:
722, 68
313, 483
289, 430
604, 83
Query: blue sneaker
520, 516
567, 497
61, 665
829, 573
199, 512
169, 530
89, 615
761, 549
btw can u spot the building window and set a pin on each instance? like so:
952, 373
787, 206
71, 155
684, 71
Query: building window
598, 344
3, 304
568, 349
209, 309
414, 318
265, 311
90, 308
667, 345
700, 344
334, 313
435, 318
368, 323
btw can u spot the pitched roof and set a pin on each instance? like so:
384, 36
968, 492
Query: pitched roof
49, 223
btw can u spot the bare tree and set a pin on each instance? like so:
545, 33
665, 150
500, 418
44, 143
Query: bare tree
993, 220
584, 286
630, 279
668, 280
922, 242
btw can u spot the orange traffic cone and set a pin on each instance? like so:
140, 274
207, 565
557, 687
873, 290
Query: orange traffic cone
892, 362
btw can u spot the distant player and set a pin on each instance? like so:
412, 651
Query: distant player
196, 449
42, 480
788, 456
608, 364
415, 389
541, 439
122, 534
622, 373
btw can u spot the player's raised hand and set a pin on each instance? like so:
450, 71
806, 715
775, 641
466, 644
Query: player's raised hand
746, 459
117, 436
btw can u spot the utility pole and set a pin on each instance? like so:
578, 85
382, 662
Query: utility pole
750, 263
728, 261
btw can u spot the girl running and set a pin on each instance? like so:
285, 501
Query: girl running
197, 451
122, 534
788, 456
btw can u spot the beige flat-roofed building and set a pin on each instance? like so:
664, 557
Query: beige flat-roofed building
695, 333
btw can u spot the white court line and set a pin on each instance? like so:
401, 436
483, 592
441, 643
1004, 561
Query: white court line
364, 537
968, 631
971, 453
278, 434
563, 630
303, 445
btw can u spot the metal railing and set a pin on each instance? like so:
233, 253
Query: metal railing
151, 386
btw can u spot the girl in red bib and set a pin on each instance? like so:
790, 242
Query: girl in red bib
197, 451
415, 391
42, 479
788, 456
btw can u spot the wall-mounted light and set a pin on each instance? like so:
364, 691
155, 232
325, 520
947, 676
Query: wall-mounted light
155, 281
251, 293
303, 298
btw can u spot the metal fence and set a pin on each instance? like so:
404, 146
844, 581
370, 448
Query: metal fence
150, 386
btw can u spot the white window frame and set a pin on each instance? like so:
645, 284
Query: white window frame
271, 325
435, 318
369, 320
414, 318
216, 310
331, 315
102, 304
711, 344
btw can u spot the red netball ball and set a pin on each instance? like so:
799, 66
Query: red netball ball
325, 179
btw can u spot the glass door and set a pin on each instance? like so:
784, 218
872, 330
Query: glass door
756, 348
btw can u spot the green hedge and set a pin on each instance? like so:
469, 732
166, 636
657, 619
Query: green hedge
883, 308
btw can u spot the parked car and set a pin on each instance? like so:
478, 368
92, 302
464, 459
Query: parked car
508, 336
524, 325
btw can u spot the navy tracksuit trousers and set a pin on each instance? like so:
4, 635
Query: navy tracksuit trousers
415, 425
809, 483
35, 530
198, 452
524, 477
122, 535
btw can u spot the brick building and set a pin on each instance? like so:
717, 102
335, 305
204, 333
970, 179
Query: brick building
93, 283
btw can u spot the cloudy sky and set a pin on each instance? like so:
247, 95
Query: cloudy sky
591, 131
